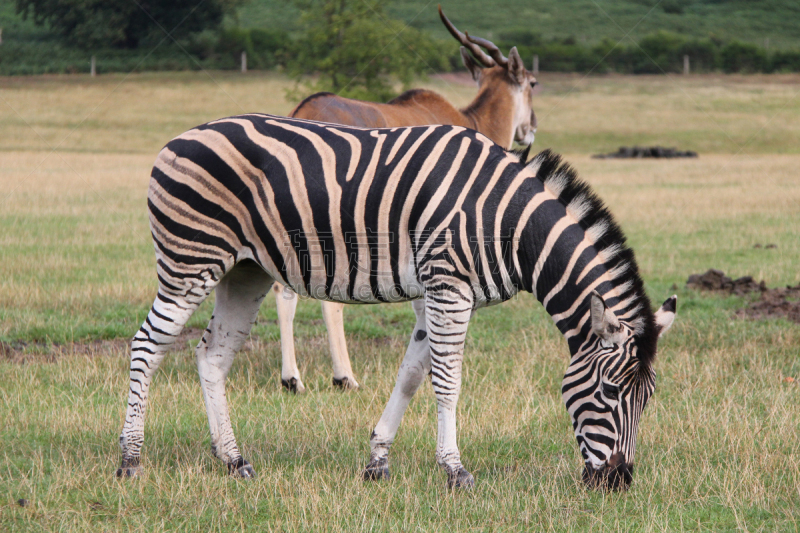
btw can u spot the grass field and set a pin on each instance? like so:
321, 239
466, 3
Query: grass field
719, 445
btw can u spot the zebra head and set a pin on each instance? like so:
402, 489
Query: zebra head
606, 388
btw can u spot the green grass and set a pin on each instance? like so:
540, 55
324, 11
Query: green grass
718, 444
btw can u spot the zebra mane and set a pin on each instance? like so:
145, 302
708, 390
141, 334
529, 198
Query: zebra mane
597, 221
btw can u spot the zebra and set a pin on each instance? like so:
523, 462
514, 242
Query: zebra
435, 214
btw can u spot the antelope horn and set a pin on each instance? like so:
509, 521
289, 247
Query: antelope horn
477, 53
495, 52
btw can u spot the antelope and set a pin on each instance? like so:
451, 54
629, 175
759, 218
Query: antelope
502, 111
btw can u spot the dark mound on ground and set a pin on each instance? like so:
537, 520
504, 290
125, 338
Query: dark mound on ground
641, 152
716, 280
772, 303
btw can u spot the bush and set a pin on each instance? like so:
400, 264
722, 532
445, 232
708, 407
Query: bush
232, 42
122, 23
662, 53
703, 54
737, 56
269, 46
785, 61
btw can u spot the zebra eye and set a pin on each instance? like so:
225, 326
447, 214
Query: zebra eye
611, 391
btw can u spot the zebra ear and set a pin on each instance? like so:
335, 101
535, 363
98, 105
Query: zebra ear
604, 322
666, 315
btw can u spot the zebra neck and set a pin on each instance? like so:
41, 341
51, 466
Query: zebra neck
560, 266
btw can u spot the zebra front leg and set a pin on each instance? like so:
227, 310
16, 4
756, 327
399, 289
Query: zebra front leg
415, 366
286, 302
239, 296
343, 376
447, 313
163, 324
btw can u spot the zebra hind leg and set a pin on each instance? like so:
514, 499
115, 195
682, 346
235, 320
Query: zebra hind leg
170, 312
239, 296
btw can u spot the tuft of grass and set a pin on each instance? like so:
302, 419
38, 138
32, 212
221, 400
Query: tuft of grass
718, 444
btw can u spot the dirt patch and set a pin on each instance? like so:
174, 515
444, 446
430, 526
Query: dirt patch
716, 281
775, 303
781, 302
646, 152
23, 352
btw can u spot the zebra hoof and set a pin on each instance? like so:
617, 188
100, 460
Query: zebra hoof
293, 385
460, 479
345, 383
130, 468
377, 469
241, 469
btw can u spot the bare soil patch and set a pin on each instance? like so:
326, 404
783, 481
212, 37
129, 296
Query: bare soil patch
716, 281
780, 302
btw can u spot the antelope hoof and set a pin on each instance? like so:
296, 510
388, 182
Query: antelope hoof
293, 385
345, 383
241, 469
377, 469
460, 479
129, 468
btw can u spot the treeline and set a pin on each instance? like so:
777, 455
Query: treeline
212, 50
661, 52
352, 47
269, 49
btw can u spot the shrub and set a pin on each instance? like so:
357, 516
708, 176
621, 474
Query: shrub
785, 61
737, 56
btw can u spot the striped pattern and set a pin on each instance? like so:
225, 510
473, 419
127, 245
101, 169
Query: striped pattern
386, 215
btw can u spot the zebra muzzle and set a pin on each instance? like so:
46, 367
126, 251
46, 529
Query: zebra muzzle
615, 475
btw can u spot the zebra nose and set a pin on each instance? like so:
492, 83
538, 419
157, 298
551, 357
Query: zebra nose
615, 475
616, 459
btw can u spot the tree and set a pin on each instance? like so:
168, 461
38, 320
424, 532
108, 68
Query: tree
357, 51
124, 23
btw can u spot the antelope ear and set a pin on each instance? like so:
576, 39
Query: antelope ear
666, 315
516, 68
472, 66
604, 322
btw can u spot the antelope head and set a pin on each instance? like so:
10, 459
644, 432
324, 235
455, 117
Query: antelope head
494, 69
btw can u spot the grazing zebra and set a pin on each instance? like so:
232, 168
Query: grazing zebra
436, 214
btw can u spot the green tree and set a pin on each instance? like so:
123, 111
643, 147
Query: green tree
354, 49
124, 23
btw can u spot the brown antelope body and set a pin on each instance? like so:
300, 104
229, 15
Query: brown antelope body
502, 110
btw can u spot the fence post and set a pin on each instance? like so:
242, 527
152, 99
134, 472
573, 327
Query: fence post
244, 61
686, 64
93, 68
536, 64
1, 35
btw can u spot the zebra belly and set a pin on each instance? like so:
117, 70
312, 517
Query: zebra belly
363, 291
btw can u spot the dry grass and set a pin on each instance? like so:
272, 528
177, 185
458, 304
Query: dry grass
718, 446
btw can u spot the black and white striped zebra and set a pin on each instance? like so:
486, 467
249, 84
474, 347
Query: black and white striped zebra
436, 214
